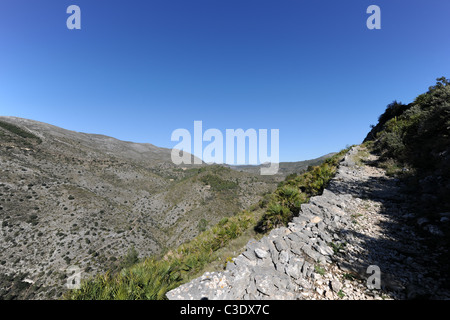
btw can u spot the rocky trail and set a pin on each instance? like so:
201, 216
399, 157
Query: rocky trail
358, 240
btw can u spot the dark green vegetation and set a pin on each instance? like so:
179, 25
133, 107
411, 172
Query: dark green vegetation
285, 202
218, 184
154, 276
413, 143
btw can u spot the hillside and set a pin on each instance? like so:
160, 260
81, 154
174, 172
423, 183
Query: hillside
285, 168
153, 277
70, 198
380, 229
352, 242
413, 142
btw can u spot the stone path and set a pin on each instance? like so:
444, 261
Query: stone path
351, 242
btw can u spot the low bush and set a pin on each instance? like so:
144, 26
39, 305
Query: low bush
217, 183
287, 199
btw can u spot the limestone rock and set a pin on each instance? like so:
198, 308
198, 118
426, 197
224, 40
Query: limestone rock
315, 219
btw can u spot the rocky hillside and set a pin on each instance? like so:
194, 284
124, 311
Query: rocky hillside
413, 142
380, 230
377, 228
70, 198
359, 227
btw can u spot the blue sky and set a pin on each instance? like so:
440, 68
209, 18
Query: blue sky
138, 70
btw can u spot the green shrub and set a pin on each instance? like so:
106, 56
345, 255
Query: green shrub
290, 197
286, 201
217, 183
275, 216
416, 136
202, 224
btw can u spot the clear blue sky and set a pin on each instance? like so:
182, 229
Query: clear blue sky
137, 70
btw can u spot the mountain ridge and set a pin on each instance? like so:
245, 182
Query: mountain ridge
285, 167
